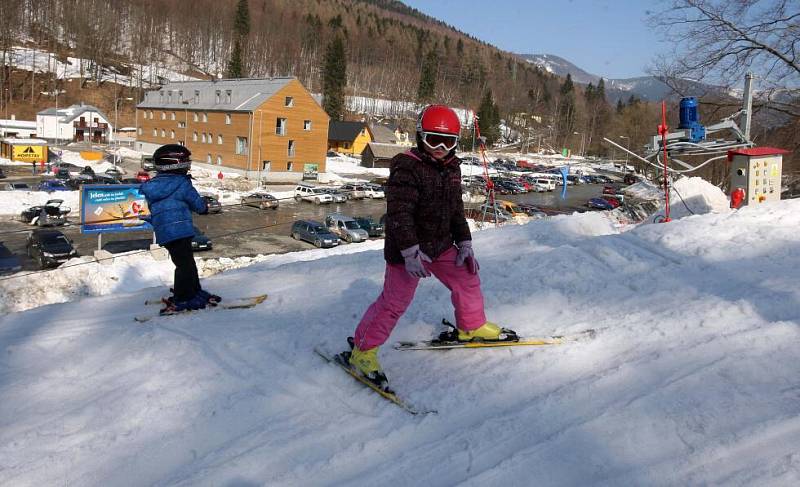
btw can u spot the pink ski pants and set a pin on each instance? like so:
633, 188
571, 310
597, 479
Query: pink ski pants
398, 291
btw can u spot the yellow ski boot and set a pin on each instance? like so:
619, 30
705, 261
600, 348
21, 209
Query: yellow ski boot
366, 363
487, 332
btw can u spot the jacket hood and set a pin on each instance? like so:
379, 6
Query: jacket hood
162, 186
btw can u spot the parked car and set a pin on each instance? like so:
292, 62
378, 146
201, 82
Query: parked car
148, 164
49, 248
353, 191
615, 201
261, 201
346, 228
338, 196
511, 208
51, 185
599, 203
8, 261
64, 168
2, 174
143, 176
374, 229
200, 241
331, 153
532, 211
609, 190
104, 179
306, 192
49, 214
373, 191
213, 203
14, 187
114, 172
87, 171
315, 233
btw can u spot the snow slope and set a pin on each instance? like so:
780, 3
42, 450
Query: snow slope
692, 379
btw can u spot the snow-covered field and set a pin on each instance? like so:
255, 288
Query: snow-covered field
692, 379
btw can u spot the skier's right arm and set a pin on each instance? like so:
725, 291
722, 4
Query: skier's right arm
401, 204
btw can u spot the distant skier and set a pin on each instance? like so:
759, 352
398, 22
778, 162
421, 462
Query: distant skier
171, 198
426, 233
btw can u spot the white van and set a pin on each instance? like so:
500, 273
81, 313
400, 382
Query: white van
546, 182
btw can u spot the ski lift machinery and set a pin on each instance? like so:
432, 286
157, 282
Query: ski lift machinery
755, 172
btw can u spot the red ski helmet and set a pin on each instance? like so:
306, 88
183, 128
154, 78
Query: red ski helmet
438, 127
439, 119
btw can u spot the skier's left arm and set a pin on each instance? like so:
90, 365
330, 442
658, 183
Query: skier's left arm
458, 221
194, 200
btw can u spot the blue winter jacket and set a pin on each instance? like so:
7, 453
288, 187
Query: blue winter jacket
171, 199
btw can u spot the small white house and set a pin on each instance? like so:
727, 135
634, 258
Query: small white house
76, 123
17, 128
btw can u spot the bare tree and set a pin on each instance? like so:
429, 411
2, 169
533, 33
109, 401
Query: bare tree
718, 41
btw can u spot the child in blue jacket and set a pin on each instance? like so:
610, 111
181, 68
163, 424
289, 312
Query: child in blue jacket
171, 199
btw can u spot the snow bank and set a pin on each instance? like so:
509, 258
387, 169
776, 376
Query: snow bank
692, 378
13, 202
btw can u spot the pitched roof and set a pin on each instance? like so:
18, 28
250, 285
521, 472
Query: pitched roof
384, 151
245, 94
347, 131
383, 134
72, 112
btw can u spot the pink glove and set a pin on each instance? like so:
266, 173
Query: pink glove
414, 258
465, 254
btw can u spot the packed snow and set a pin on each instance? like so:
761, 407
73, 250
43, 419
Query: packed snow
692, 378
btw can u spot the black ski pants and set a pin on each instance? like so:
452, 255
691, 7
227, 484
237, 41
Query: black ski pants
187, 283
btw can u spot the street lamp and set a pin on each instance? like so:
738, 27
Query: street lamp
582, 140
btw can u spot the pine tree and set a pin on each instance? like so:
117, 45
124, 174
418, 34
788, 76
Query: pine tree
565, 122
334, 79
427, 80
241, 29
235, 68
489, 119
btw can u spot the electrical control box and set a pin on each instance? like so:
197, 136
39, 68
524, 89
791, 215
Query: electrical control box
755, 175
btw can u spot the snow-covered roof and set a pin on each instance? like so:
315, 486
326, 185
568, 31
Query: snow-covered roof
19, 124
71, 112
16, 141
245, 94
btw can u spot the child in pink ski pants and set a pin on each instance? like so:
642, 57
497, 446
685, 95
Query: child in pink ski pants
398, 291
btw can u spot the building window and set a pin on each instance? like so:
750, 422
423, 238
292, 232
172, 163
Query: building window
210, 138
151, 114
194, 137
204, 138
219, 139
219, 160
228, 96
194, 117
289, 166
155, 132
241, 145
169, 96
227, 119
288, 101
171, 134
196, 99
161, 97
163, 115
180, 95
347, 145
172, 116
163, 133
181, 125
140, 130
280, 126
307, 125
205, 117
208, 158
217, 98
290, 152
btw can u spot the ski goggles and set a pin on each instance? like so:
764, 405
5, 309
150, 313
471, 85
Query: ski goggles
439, 141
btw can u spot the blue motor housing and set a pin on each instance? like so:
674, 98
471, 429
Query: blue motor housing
690, 119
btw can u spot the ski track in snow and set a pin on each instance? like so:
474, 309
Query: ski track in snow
691, 379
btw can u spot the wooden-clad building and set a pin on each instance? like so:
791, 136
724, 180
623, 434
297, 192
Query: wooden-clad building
380, 155
272, 129
348, 137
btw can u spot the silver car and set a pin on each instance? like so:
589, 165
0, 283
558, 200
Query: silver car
346, 228
261, 201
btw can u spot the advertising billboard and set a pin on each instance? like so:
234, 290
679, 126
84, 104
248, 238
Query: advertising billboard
109, 208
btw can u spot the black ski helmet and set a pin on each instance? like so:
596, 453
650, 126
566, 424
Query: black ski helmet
172, 157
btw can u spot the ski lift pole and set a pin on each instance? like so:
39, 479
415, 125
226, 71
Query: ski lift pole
489, 183
662, 131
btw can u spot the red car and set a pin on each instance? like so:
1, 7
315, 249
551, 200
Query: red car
609, 190
611, 200
143, 176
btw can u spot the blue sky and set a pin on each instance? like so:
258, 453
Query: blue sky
604, 37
